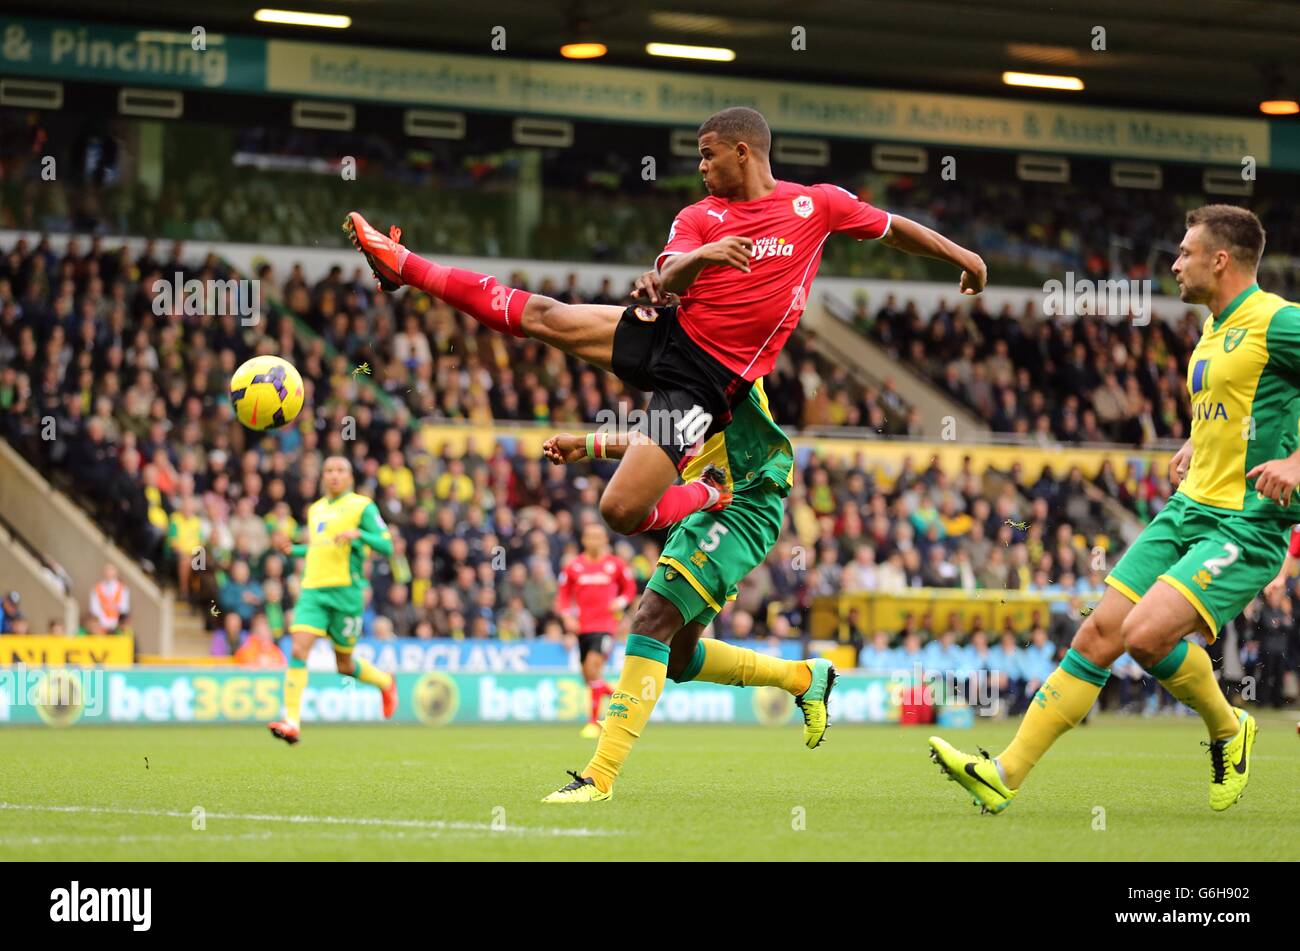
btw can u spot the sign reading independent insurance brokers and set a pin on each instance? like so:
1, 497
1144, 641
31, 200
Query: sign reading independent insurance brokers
162, 57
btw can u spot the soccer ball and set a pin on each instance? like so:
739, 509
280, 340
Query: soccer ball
266, 393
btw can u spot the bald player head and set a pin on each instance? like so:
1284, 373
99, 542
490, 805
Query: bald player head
336, 476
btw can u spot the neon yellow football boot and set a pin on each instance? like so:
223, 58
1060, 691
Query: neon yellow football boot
813, 701
978, 775
1230, 763
582, 789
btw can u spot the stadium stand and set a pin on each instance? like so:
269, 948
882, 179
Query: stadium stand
155, 455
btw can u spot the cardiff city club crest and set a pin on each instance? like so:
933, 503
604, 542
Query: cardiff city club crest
1232, 338
648, 314
803, 206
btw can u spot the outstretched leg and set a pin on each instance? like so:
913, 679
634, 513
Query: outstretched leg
713, 661
585, 331
1058, 706
638, 498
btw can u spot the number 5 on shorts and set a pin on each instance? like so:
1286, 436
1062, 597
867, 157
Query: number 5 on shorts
714, 538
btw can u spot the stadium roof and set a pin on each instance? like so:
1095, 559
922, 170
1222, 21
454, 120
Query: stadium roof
1200, 55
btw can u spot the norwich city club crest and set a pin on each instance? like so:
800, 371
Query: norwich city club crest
1232, 338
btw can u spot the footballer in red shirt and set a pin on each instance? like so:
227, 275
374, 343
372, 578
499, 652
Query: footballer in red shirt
595, 588
742, 260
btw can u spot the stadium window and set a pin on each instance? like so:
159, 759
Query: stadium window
335, 116
1226, 181
1054, 169
31, 94
1136, 175
150, 103
430, 124
908, 159
551, 133
802, 151
684, 143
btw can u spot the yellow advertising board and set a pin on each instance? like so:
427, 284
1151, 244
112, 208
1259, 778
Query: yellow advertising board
934, 608
45, 651
883, 459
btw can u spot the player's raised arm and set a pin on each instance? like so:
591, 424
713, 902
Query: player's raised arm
915, 238
686, 253
564, 448
374, 532
679, 271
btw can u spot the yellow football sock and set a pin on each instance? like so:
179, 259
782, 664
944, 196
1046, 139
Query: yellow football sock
1062, 701
1188, 674
645, 665
370, 674
295, 682
722, 663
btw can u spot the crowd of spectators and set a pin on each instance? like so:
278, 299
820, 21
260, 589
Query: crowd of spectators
1086, 379
145, 438
144, 434
278, 185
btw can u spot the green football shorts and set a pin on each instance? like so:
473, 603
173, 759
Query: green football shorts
709, 552
330, 612
1216, 559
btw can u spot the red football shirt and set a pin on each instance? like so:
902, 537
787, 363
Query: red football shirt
592, 586
744, 319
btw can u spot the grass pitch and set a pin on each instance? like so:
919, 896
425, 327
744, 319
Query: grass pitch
688, 792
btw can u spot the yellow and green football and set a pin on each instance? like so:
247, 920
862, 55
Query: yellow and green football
266, 393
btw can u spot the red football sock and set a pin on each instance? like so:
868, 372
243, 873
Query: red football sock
479, 295
677, 503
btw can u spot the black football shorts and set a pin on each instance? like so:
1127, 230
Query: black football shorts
691, 393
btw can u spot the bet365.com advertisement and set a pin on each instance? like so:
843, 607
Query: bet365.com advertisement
64, 697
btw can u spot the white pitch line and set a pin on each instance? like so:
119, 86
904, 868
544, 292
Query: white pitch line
38, 840
430, 824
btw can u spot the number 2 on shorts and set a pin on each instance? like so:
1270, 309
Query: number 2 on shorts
1215, 565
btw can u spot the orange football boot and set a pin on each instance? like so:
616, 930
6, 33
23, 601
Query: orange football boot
390, 699
714, 476
284, 730
381, 253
